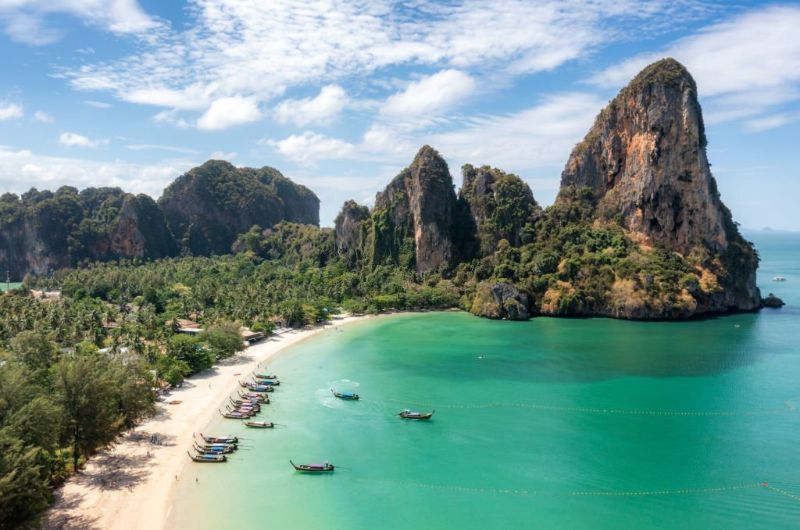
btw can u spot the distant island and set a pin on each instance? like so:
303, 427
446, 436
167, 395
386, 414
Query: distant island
637, 231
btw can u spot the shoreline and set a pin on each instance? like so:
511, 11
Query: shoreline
131, 484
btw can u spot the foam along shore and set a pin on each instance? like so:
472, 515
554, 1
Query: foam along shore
128, 486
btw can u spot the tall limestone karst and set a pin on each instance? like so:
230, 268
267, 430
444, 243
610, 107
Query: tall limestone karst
644, 160
349, 231
417, 220
42, 231
209, 206
501, 205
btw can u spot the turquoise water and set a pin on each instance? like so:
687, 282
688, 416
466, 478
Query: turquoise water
550, 423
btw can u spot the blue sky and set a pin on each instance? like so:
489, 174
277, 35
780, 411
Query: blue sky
339, 94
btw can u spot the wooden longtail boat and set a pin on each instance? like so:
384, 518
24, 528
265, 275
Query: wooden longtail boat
256, 387
260, 424
213, 450
209, 447
413, 415
265, 376
254, 396
235, 415
207, 458
220, 439
313, 468
350, 396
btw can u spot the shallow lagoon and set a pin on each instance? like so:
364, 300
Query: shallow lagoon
551, 423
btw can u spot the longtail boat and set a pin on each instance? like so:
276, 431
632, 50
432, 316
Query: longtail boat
351, 396
255, 396
220, 439
209, 447
256, 387
413, 415
213, 450
260, 424
235, 415
207, 458
313, 468
265, 376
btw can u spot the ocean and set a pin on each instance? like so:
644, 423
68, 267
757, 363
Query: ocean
550, 423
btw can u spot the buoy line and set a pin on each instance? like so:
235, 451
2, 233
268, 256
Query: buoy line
790, 407
582, 493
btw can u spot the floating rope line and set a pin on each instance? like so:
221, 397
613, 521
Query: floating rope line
583, 493
781, 491
790, 407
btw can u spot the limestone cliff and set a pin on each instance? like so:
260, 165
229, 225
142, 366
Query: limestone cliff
209, 206
349, 231
501, 205
417, 218
644, 161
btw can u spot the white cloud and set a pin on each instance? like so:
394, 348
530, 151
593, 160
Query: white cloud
431, 95
258, 50
42, 117
538, 137
744, 67
97, 104
330, 101
157, 147
309, 147
23, 169
71, 139
10, 111
226, 112
770, 122
26, 20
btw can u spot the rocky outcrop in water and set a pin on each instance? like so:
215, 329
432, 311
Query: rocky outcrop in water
500, 300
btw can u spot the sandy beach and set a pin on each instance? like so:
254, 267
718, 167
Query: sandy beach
128, 486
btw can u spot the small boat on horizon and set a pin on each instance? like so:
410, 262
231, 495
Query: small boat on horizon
414, 415
325, 467
350, 396
207, 458
779, 279
260, 424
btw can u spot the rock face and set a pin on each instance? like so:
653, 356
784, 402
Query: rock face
44, 231
501, 206
349, 230
644, 161
773, 301
500, 300
416, 218
209, 206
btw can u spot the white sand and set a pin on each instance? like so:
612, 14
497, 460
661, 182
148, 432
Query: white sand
128, 486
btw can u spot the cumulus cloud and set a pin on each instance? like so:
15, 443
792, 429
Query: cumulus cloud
309, 147
42, 117
23, 169
744, 66
321, 109
431, 95
226, 112
10, 111
71, 139
258, 50
26, 21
